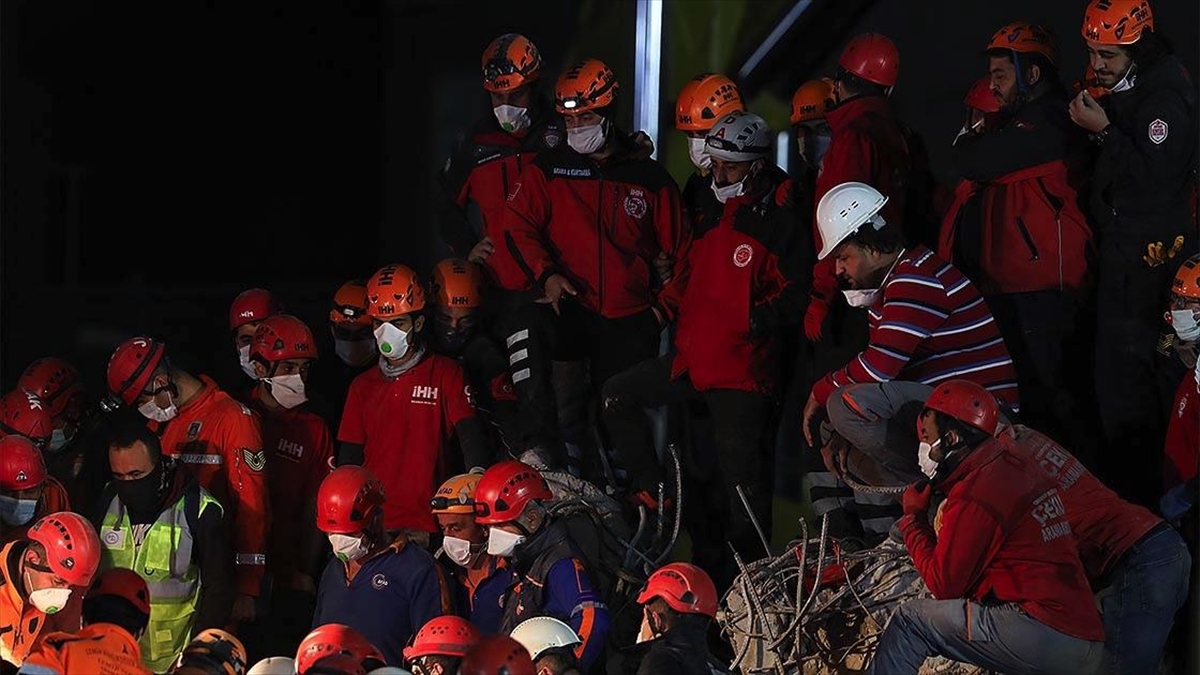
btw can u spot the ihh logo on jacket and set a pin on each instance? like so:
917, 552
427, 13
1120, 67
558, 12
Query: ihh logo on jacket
425, 395
290, 449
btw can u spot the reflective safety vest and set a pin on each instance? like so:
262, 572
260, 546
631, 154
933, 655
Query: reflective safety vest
164, 560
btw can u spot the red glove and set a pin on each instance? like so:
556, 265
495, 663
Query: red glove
814, 317
916, 498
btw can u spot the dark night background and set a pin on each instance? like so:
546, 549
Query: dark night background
158, 158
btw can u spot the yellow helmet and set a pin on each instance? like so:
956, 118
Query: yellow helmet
456, 495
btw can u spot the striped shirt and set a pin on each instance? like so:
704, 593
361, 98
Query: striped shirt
929, 325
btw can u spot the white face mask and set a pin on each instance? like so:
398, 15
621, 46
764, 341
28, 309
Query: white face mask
59, 438
503, 543
460, 551
347, 548
151, 411
355, 353
512, 118
392, 342
287, 390
864, 298
732, 190
49, 600
586, 140
245, 363
929, 466
1185, 325
698, 154
1127, 81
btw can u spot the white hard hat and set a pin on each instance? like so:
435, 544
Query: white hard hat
544, 632
274, 665
843, 210
739, 137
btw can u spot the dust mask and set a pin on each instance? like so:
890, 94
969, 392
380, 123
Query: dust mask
929, 465
287, 390
698, 154
1185, 324
724, 194
49, 600
862, 298
347, 548
152, 412
355, 353
503, 543
392, 342
244, 362
512, 119
59, 438
586, 140
460, 551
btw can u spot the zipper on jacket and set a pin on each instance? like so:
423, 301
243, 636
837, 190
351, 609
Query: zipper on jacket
504, 180
600, 247
1057, 205
1033, 252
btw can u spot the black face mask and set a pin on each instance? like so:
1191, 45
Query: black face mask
451, 341
140, 496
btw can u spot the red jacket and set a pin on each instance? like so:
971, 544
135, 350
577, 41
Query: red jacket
1105, 526
601, 226
869, 146
478, 176
1005, 538
1183, 434
751, 277
1032, 235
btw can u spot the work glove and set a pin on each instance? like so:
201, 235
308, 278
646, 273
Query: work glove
818, 308
916, 498
1157, 254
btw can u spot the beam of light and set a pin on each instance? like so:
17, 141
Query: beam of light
647, 76
776, 35
783, 149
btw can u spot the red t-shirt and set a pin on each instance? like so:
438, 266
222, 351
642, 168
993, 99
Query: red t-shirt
403, 425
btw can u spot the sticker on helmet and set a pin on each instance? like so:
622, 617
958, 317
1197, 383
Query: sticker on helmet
635, 206
1158, 131
742, 255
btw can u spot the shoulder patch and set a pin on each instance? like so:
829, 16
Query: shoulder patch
255, 460
742, 255
1157, 131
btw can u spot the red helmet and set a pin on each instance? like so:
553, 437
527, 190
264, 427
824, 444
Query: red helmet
505, 490
350, 305
255, 304
1116, 22
510, 61
132, 365
982, 97
967, 402
347, 500
684, 587
72, 548
280, 337
338, 664
705, 99
872, 57
122, 583
21, 464
23, 414
335, 638
811, 100
587, 85
57, 383
497, 655
457, 283
444, 635
394, 291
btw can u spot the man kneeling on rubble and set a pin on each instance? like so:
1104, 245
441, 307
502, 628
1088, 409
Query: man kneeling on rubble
1010, 592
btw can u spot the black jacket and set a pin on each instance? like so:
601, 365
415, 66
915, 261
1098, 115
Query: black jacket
680, 651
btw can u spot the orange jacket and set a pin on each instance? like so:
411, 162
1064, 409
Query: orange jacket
53, 500
220, 440
98, 649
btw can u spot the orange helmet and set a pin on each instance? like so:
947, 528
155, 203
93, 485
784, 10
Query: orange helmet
23, 414
335, 638
443, 636
1187, 279
457, 283
1116, 22
1023, 37
510, 61
280, 337
123, 583
56, 383
394, 291
132, 365
967, 402
350, 305
704, 100
872, 57
982, 97
684, 587
456, 495
255, 304
587, 85
215, 651
811, 100
72, 547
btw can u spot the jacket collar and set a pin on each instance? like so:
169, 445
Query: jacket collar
842, 115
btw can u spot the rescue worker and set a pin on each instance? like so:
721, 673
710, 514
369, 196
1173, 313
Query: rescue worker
756, 257
386, 588
27, 492
60, 388
1016, 229
928, 324
489, 158
215, 437
1182, 448
23, 414
702, 102
589, 219
497, 655
150, 506
300, 455
551, 578
353, 344
678, 603
400, 416
1140, 198
274, 665
460, 331
38, 577
483, 579
335, 638
550, 643
116, 612
1004, 552
813, 135
248, 310
440, 645
212, 652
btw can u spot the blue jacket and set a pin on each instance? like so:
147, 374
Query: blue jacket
391, 596
483, 606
